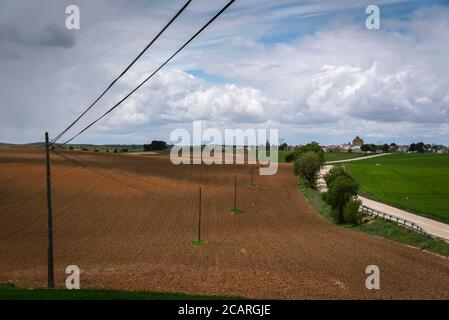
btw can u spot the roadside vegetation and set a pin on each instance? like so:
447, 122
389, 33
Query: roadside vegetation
376, 226
338, 205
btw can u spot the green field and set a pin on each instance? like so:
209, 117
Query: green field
10, 292
334, 156
418, 183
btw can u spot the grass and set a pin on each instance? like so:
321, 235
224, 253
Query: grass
378, 227
335, 156
9, 291
389, 230
414, 182
198, 243
236, 210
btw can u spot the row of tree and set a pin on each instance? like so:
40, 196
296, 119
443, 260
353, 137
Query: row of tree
342, 189
420, 147
377, 148
155, 145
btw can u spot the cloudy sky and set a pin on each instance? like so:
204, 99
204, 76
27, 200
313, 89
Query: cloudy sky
307, 67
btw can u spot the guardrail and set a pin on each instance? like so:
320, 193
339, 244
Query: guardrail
401, 221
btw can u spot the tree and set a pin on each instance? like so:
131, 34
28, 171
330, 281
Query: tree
155, 145
340, 192
336, 172
420, 147
365, 148
351, 210
307, 166
290, 157
312, 147
385, 147
412, 148
393, 147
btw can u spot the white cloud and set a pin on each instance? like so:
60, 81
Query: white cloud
176, 96
339, 81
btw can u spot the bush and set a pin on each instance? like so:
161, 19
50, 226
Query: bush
290, 157
351, 212
307, 167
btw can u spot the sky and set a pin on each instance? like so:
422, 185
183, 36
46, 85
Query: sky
310, 69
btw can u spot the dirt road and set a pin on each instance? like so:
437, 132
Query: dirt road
125, 238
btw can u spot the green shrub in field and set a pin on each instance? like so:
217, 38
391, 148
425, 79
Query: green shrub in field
351, 213
307, 167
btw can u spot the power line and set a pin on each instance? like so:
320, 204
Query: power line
124, 175
108, 176
149, 77
123, 72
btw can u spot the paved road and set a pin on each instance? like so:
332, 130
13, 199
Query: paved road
359, 158
436, 228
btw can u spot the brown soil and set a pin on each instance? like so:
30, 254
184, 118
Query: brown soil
139, 235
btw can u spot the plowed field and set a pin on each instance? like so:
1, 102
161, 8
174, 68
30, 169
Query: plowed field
128, 222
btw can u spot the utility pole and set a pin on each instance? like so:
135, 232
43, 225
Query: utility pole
252, 175
235, 192
199, 219
51, 282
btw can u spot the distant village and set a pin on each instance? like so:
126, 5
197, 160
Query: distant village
358, 145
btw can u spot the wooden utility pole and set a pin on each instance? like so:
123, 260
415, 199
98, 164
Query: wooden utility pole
252, 175
199, 219
51, 282
235, 192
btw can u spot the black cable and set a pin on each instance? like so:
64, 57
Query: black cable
124, 71
124, 175
148, 78
110, 177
